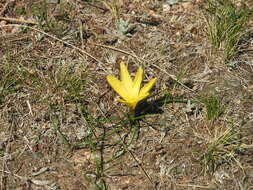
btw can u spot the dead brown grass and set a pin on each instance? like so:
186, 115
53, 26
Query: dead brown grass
60, 127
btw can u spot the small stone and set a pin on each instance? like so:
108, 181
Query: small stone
187, 5
166, 8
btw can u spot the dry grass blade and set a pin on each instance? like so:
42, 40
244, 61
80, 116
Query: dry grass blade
55, 38
56, 108
15, 20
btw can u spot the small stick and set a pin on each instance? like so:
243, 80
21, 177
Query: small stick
20, 21
174, 78
4, 8
119, 50
57, 39
101, 8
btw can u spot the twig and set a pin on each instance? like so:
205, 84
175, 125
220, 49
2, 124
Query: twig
42, 170
30, 107
62, 136
119, 50
4, 8
101, 8
20, 21
138, 163
125, 146
55, 38
34, 181
173, 77
194, 186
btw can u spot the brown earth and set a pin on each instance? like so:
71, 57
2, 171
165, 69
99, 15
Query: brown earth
61, 128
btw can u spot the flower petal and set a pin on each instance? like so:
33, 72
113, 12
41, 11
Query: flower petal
117, 86
130, 104
143, 96
125, 77
137, 82
146, 88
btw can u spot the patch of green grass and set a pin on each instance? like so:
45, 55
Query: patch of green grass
115, 8
10, 76
63, 84
52, 85
50, 22
20, 11
1, 153
214, 107
99, 138
96, 146
95, 143
68, 83
221, 147
8, 81
226, 25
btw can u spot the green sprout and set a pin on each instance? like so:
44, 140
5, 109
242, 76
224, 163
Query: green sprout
226, 25
214, 107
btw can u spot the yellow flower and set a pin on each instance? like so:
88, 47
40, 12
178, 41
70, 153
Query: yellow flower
130, 90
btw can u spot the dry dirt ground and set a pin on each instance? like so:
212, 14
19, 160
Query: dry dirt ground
61, 127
